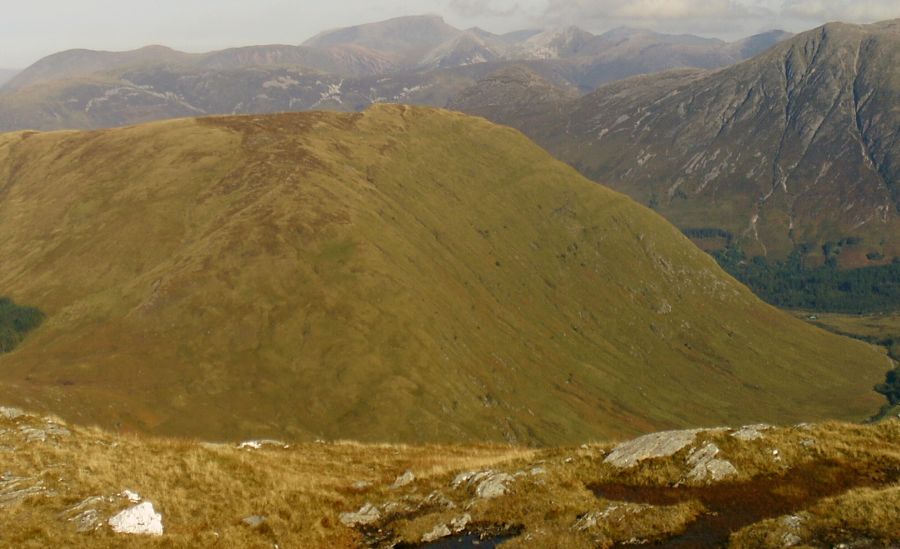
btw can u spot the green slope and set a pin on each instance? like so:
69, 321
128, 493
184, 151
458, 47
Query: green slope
400, 274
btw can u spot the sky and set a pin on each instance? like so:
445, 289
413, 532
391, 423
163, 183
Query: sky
32, 29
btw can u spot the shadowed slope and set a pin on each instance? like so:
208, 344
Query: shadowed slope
400, 274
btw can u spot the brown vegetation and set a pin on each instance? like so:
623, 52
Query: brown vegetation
204, 491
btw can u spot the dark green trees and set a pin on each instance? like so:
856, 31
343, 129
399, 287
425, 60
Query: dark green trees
15, 322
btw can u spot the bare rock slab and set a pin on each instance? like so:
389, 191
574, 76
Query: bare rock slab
706, 467
367, 514
654, 445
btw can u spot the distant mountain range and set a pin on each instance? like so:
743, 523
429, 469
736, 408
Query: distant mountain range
415, 60
404, 274
795, 151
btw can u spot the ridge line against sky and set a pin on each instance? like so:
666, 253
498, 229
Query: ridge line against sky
31, 30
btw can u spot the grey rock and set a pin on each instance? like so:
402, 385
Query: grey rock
406, 478
706, 467
254, 521
10, 413
361, 485
751, 432
259, 444
493, 486
459, 523
33, 434
654, 445
86, 521
367, 514
56, 430
438, 532
440, 500
14, 489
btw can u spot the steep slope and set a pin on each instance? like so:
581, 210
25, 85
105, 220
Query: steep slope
401, 274
790, 151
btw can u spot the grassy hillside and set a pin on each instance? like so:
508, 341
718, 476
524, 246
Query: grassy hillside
396, 275
821, 486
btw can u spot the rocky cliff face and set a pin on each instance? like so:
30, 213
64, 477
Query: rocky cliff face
795, 148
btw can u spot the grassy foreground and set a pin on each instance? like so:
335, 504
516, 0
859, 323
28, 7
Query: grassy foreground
810, 484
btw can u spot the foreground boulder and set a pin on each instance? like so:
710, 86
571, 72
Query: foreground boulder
141, 519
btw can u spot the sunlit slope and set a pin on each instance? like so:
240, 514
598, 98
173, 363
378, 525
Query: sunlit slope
400, 274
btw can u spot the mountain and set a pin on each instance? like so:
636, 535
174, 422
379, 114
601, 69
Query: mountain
510, 94
758, 43
554, 44
792, 152
403, 39
401, 274
466, 49
414, 60
81, 62
819, 485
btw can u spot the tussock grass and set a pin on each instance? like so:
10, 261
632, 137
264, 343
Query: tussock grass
204, 490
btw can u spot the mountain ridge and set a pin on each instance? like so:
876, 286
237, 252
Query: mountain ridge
405, 60
399, 274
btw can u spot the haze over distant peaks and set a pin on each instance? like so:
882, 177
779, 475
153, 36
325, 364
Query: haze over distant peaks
413, 60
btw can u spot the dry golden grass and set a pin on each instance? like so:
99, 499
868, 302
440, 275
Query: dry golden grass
205, 490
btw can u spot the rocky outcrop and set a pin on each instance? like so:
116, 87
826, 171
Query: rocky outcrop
706, 467
751, 432
406, 478
654, 445
367, 514
487, 484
